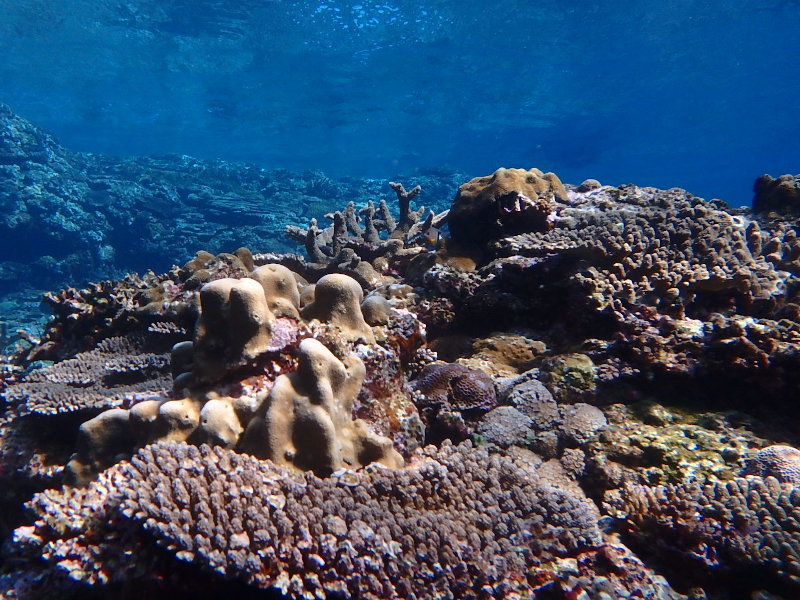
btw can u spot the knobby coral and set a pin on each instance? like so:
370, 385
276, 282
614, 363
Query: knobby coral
458, 523
741, 534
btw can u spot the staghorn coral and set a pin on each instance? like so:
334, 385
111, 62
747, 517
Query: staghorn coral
364, 243
743, 534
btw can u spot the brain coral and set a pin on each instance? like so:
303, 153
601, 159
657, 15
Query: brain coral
743, 534
779, 461
462, 388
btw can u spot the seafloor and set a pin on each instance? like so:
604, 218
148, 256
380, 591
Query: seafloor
536, 390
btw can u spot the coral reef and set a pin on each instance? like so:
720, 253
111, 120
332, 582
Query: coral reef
364, 252
430, 529
742, 534
69, 216
259, 421
507, 202
781, 195
779, 461
119, 371
306, 421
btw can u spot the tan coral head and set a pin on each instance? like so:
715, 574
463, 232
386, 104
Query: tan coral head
306, 422
337, 300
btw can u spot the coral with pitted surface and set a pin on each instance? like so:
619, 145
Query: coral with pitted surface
285, 455
507, 202
247, 364
779, 461
459, 387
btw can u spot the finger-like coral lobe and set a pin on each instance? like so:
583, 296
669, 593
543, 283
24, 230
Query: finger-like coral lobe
306, 421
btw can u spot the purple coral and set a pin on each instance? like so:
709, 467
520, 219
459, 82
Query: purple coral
781, 462
454, 384
459, 523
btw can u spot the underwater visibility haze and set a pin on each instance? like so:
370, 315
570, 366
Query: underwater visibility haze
390, 299
700, 95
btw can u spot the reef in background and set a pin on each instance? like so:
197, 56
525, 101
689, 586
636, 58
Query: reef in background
579, 392
68, 217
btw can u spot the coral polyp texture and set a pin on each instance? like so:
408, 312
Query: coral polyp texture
458, 521
549, 391
739, 534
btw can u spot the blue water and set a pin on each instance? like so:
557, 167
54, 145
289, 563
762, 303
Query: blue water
701, 95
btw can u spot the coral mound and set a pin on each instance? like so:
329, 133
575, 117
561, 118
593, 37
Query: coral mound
739, 534
458, 523
507, 202
306, 420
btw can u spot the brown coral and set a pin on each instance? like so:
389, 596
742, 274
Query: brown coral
508, 202
337, 301
306, 420
118, 371
235, 326
463, 389
458, 522
742, 534
779, 461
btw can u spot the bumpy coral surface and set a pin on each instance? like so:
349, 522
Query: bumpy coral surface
507, 202
119, 370
306, 421
779, 461
742, 534
254, 456
457, 522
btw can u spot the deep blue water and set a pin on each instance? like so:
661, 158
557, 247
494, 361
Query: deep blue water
701, 95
